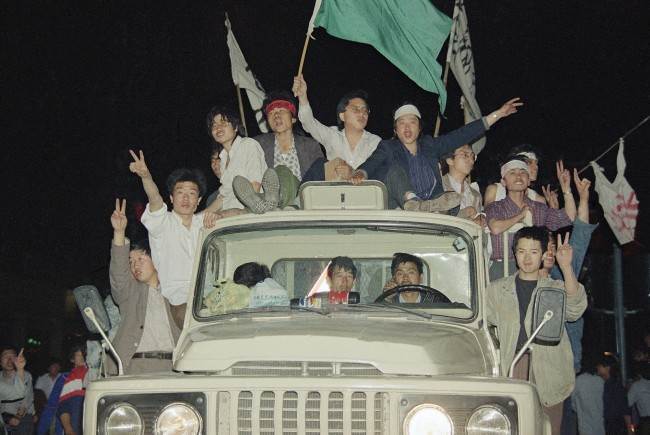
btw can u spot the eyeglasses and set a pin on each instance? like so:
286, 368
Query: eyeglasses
466, 155
359, 109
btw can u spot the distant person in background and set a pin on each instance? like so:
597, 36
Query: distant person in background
587, 401
71, 400
46, 381
215, 165
617, 413
639, 397
16, 393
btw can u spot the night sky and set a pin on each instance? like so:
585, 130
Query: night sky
84, 81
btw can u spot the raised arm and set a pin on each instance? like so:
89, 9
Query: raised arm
318, 131
139, 166
582, 186
508, 108
564, 177
119, 272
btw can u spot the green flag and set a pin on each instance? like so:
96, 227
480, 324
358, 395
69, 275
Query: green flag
410, 33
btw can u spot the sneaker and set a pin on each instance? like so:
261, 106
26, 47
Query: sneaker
271, 186
443, 203
246, 195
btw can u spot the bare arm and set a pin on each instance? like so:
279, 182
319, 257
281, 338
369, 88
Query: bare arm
490, 194
582, 186
139, 167
564, 177
508, 108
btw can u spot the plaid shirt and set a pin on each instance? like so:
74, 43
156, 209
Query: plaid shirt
543, 216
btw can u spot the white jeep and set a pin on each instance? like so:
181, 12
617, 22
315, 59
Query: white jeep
358, 368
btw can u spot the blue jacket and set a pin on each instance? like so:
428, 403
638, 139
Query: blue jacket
389, 151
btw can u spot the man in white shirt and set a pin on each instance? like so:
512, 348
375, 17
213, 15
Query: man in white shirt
639, 397
16, 393
349, 141
46, 381
173, 235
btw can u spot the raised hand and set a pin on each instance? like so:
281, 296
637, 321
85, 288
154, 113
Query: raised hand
582, 185
551, 197
20, 361
138, 165
118, 218
564, 252
509, 107
299, 87
563, 176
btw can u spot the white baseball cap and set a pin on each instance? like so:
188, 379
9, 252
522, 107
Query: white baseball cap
407, 109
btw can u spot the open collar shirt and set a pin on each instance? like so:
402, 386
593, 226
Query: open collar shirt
334, 140
245, 158
173, 246
156, 333
288, 159
543, 216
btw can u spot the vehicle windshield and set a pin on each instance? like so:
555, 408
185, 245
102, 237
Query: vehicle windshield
265, 269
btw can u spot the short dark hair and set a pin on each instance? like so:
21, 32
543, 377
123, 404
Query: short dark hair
444, 166
524, 148
344, 263
6, 347
228, 115
76, 348
535, 233
141, 245
345, 100
184, 174
401, 257
249, 274
53, 360
278, 95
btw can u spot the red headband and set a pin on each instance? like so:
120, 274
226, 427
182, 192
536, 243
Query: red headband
281, 104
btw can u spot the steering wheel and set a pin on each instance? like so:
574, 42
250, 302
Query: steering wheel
428, 295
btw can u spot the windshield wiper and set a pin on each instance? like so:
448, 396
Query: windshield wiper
381, 305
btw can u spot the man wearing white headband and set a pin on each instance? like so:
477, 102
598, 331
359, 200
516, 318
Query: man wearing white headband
408, 163
497, 191
516, 206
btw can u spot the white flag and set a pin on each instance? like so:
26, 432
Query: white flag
461, 63
243, 77
618, 200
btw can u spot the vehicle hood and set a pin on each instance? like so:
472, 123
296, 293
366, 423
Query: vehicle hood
394, 346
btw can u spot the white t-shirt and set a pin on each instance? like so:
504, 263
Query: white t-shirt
45, 383
246, 159
334, 140
639, 396
172, 250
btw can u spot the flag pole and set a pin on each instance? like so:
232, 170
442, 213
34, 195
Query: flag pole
304, 53
241, 110
439, 118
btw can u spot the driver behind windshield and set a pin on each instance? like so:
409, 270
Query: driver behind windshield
406, 269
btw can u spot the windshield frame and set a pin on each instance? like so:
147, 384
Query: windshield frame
377, 225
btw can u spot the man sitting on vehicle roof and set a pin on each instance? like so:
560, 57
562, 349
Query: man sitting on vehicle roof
408, 163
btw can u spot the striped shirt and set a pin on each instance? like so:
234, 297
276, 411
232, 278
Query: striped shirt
423, 180
543, 216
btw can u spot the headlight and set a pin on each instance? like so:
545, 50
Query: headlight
428, 419
178, 419
123, 419
488, 420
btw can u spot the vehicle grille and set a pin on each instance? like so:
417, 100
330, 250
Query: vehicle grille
300, 368
308, 412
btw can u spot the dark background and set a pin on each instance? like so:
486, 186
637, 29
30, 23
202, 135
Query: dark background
82, 82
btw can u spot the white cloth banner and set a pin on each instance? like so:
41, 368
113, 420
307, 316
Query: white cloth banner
243, 77
461, 63
618, 200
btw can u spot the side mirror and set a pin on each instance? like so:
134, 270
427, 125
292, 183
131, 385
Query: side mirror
553, 300
88, 296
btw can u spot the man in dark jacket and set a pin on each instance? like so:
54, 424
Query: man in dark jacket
408, 163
